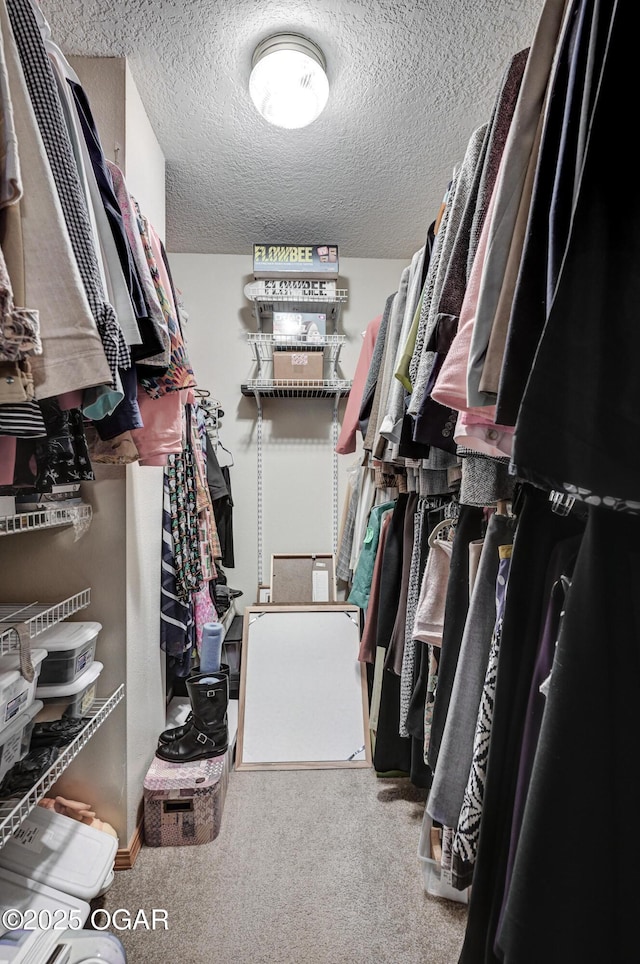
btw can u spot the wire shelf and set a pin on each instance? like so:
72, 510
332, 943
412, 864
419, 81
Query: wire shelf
37, 618
13, 812
264, 344
329, 305
295, 388
44, 519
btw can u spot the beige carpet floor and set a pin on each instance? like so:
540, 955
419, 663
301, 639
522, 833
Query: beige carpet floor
309, 867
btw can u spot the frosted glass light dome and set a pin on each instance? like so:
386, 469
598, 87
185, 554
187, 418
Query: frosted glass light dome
288, 82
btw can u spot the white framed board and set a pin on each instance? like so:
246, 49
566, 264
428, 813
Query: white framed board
303, 693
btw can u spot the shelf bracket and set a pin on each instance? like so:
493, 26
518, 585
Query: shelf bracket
259, 490
334, 474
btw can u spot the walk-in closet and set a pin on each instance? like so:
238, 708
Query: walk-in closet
319, 424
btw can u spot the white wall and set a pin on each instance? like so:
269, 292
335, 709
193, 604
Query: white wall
144, 164
297, 442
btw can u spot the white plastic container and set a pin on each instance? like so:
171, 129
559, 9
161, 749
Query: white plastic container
60, 852
68, 946
14, 740
431, 870
24, 895
71, 648
16, 694
87, 947
70, 699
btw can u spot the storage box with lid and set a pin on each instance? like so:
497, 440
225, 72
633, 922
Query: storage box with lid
70, 699
16, 693
71, 648
183, 802
60, 852
29, 897
15, 738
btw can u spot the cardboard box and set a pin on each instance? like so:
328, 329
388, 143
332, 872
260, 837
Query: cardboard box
302, 366
308, 260
301, 325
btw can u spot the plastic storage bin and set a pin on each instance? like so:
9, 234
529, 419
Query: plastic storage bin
70, 699
24, 895
16, 694
60, 852
15, 739
71, 648
68, 946
433, 879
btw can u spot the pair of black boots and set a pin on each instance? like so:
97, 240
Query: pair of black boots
205, 732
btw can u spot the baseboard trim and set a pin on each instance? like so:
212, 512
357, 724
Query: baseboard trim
127, 856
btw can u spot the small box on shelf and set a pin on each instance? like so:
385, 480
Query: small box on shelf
298, 365
300, 325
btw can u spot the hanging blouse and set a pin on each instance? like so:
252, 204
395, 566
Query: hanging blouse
156, 316
179, 373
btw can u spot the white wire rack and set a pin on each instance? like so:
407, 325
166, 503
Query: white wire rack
44, 519
296, 388
37, 617
14, 811
329, 305
265, 343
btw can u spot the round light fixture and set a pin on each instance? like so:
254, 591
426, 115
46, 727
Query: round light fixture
288, 82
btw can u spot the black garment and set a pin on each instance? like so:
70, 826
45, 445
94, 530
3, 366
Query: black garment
151, 343
392, 752
223, 514
580, 414
391, 581
395, 648
561, 566
24, 775
60, 458
468, 528
539, 530
547, 231
57, 732
583, 796
219, 484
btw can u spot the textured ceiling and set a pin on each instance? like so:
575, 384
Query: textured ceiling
410, 81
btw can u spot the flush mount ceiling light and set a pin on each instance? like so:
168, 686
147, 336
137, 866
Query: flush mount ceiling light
288, 82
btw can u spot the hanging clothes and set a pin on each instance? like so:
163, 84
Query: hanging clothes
350, 421
465, 842
539, 530
73, 356
603, 594
46, 105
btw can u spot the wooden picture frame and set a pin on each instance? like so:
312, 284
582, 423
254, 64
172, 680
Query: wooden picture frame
303, 578
303, 693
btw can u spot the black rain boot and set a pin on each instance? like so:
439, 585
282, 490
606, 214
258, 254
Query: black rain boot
208, 734
177, 732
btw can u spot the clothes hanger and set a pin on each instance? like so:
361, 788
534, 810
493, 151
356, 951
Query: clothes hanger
448, 523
